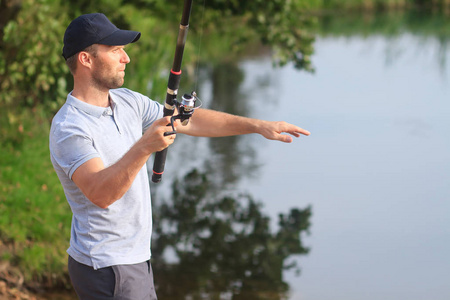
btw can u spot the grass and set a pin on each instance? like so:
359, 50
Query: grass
35, 217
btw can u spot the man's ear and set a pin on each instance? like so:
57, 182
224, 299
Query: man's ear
85, 59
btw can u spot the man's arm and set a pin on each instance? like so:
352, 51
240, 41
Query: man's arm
210, 123
103, 186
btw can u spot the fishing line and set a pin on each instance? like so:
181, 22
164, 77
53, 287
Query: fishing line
199, 48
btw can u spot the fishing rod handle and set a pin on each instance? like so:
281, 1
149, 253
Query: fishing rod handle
158, 165
169, 109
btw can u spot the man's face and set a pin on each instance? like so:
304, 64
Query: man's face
108, 69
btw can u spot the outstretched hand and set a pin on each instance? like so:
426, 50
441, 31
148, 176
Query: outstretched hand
274, 131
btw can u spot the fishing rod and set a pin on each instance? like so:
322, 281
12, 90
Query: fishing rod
187, 105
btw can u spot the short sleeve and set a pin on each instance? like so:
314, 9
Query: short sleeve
152, 112
70, 147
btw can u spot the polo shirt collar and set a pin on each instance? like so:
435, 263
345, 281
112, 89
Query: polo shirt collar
90, 109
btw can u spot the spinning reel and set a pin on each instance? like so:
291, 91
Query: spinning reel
185, 110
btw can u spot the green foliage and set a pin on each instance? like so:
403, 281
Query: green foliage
35, 218
413, 21
32, 70
287, 29
152, 56
371, 5
282, 25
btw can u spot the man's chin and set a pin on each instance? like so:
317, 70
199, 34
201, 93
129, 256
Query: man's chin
117, 84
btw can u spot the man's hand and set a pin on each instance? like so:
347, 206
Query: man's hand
273, 131
154, 139
103, 186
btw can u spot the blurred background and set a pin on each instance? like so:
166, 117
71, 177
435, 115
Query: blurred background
358, 210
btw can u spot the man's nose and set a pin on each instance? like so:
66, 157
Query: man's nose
125, 57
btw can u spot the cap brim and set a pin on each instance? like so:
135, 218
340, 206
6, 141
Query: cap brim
120, 37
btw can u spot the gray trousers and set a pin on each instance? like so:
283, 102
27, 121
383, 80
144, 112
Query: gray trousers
122, 282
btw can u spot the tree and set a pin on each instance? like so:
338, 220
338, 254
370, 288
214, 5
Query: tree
32, 69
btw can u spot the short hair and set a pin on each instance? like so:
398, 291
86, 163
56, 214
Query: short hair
71, 62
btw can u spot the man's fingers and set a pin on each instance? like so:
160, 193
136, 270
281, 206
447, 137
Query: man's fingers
302, 131
162, 121
164, 125
157, 137
286, 138
293, 130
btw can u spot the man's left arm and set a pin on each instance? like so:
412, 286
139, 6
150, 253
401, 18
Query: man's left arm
211, 123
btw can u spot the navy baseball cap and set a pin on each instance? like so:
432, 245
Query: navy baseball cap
90, 29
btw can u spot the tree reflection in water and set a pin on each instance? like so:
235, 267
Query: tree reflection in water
231, 158
210, 243
221, 245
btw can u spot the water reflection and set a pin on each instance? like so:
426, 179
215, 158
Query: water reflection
220, 246
376, 166
213, 241
230, 158
428, 28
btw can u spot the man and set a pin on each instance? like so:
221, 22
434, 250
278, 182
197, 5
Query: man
100, 141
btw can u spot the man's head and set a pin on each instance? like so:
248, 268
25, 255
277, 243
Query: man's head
90, 29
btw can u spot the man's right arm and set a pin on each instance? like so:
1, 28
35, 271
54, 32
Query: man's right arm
103, 186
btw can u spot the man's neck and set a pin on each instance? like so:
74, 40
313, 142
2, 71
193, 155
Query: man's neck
92, 96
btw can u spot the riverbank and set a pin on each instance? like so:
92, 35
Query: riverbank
11, 283
9, 293
13, 286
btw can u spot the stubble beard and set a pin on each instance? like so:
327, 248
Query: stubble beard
103, 80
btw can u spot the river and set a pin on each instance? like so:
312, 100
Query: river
375, 169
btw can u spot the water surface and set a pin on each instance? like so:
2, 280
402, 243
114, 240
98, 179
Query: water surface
375, 169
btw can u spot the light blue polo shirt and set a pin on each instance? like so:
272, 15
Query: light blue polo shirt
121, 233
